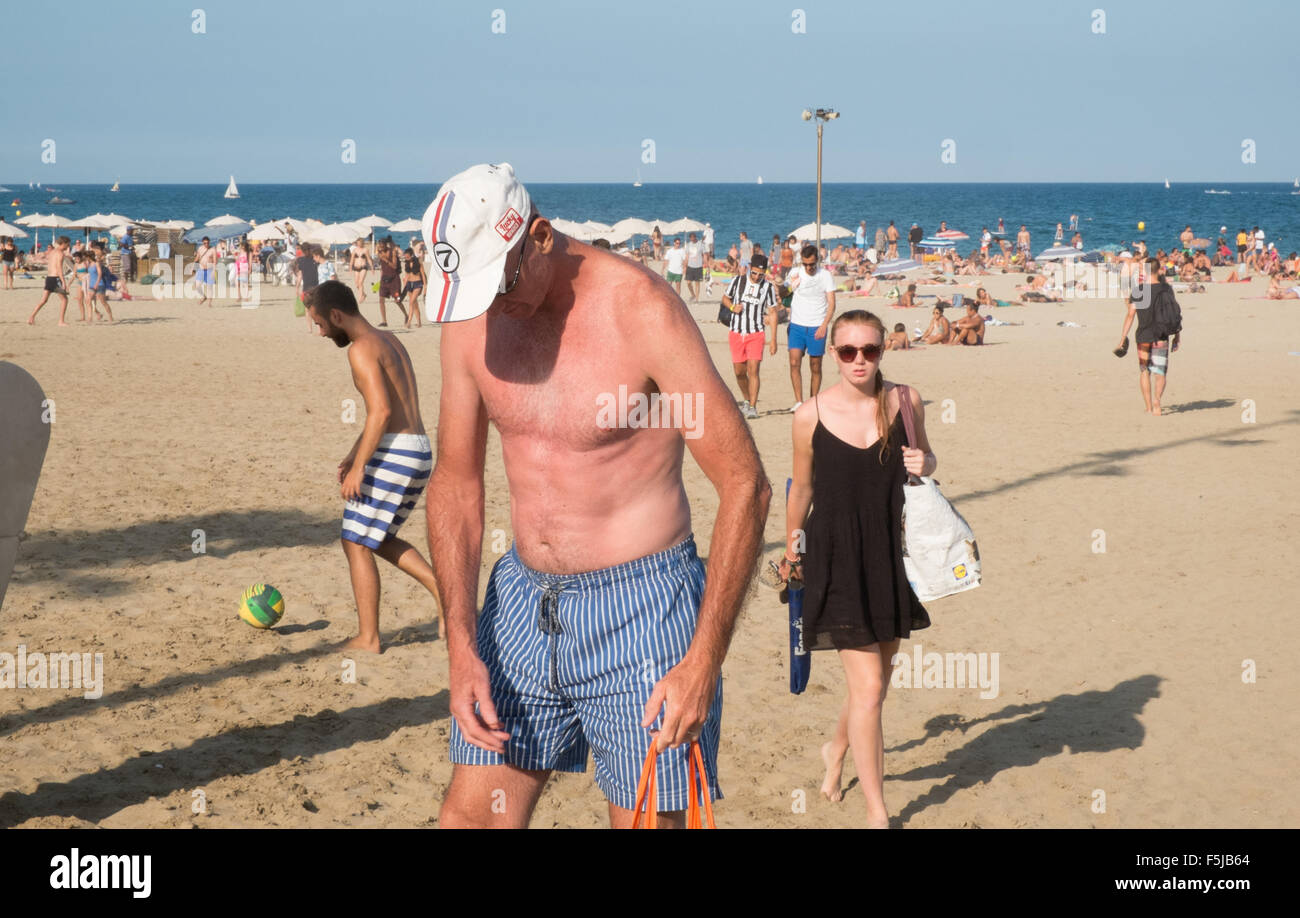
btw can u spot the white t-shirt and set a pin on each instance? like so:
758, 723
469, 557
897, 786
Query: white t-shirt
808, 304
676, 258
1259, 240
708, 238
694, 255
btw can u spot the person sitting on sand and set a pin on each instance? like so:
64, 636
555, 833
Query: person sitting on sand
1240, 274
393, 440
969, 329
1277, 292
897, 340
938, 330
907, 300
867, 285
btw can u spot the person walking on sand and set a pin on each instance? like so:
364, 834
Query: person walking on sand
390, 280
308, 278
205, 273
599, 630
1154, 345
382, 490
413, 275
695, 264
891, 236
675, 264
54, 258
812, 306
752, 301
851, 460
359, 262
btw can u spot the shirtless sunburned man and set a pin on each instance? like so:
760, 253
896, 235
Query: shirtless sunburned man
380, 491
54, 279
598, 630
969, 329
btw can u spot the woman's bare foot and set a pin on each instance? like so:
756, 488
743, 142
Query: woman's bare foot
361, 643
878, 823
831, 789
1155, 406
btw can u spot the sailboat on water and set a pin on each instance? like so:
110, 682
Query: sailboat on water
1166, 183
760, 180
231, 190
637, 183
115, 187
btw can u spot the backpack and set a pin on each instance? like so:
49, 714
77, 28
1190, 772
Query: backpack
1166, 314
724, 313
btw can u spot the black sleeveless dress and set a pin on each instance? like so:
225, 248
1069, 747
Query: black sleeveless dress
855, 586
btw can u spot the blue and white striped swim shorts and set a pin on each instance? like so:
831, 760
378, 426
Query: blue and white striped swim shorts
394, 478
572, 660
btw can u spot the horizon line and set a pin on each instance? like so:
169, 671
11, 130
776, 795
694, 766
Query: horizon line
701, 182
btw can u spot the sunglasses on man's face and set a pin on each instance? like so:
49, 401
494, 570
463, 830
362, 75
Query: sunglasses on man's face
848, 353
810, 264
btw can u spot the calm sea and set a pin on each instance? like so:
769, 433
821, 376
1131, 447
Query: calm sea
1108, 213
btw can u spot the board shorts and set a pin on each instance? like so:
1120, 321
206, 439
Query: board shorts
694, 274
572, 660
54, 285
747, 346
674, 278
803, 338
1154, 357
394, 478
390, 286
204, 276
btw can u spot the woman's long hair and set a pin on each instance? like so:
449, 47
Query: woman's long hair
863, 317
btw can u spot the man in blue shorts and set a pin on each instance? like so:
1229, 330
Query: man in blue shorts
812, 306
599, 631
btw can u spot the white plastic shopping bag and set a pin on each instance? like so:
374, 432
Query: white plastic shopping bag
939, 550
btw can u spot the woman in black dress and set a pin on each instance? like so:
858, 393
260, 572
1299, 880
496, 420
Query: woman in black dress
851, 461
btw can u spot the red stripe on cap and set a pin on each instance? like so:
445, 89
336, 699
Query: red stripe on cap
446, 278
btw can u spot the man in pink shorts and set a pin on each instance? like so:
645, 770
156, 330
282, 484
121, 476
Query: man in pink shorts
752, 301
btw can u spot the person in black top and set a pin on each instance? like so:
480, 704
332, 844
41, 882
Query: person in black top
851, 461
413, 272
1153, 349
914, 236
308, 278
9, 260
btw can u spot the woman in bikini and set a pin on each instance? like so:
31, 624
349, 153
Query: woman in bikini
937, 332
360, 264
413, 270
851, 461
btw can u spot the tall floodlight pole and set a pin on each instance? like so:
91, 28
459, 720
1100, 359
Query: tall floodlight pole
822, 115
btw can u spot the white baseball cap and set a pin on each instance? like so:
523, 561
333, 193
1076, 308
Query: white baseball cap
474, 221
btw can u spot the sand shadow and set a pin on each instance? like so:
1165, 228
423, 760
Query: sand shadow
1104, 459
1095, 721
145, 320
242, 751
51, 555
77, 705
1201, 405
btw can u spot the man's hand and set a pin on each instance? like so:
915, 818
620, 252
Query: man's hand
820, 333
345, 466
771, 347
685, 694
469, 684
351, 489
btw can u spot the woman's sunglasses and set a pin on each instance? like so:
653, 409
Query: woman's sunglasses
870, 352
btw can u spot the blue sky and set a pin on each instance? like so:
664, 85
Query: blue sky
570, 91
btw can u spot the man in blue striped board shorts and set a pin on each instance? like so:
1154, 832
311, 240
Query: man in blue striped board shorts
382, 491
599, 635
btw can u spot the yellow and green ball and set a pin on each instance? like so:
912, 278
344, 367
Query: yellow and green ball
261, 605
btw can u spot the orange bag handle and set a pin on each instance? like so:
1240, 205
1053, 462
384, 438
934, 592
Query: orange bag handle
647, 791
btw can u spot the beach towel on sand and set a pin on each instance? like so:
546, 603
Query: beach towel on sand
394, 478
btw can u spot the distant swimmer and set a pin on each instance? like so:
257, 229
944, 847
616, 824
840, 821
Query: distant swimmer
599, 632
393, 452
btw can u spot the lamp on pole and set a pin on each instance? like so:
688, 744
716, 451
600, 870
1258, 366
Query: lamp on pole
822, 115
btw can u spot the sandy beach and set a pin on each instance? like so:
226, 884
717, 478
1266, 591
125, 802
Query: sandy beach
1120, 672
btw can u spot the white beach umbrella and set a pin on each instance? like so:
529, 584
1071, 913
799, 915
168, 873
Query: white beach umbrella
634, 226
174, 225
32, 219
374, 221
298, 226
335, 234
409, 225
225, 220
266, 232
119, 230
118, 219
94, 221
8, 229
595, 227
829, 231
